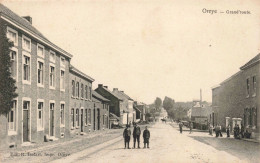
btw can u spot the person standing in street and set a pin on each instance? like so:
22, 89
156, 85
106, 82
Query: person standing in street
136, 134
228, 131
127, 135
242, 131
180, 126
191, 127
220, 133
146, 136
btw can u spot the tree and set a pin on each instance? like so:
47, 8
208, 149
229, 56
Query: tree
7, 84
158, 103
168, 103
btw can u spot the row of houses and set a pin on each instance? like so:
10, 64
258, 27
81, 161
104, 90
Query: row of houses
55, 99
236, 99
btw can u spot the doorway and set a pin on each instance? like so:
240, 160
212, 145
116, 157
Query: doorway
98, 118
81, 121
26, 120
51, 119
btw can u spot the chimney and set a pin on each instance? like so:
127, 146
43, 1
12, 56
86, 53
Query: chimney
105, 86
28, 18
115, 89
100, 85
200, 97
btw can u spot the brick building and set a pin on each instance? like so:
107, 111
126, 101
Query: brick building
236, 100
100, 112
81, 105
41, 71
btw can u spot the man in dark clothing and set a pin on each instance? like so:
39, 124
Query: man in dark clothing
146, 136
180, 125
126, 135
136, 134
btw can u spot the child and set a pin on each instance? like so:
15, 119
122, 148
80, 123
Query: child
146, 136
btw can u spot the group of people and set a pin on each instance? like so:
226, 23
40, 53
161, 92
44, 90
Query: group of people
136, 136
238, 132
181, 125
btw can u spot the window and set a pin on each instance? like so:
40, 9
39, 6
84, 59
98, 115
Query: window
72, 118
26, 69
77, 89
90, 93
26, 43
77, 117
82, 91
11, 117
12, 35
40, 73
52, 56
247, 87
62, 118
40, 50
62, 61
86, 116
86, 92
52, 76
73, 88
40, 116
89, 116
13, 68
62, 80
254, 85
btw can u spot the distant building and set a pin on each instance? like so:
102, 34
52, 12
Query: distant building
236, 100
143, 108
127, 104
115, 102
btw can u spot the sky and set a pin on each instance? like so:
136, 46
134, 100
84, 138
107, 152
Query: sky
150, 48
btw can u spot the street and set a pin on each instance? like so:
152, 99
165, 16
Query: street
168, 145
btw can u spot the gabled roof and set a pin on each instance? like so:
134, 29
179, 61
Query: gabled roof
251, 62
78, 72
122, 95
110, 92
199, 112
98, 96
137, 109
113, 116
23, 24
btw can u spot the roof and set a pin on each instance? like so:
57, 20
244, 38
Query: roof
98, 96
112, 93
137, 109
251, 62
199, 112
24, 25
111, 115
78, 72
122, 95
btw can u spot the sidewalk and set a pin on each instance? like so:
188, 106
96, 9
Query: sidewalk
49, 151
185, 129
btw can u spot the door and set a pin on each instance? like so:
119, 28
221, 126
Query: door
25, 126
52, 119
98, 118
81, 120
94, 113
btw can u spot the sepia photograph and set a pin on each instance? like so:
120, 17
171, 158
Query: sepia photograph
130, 81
